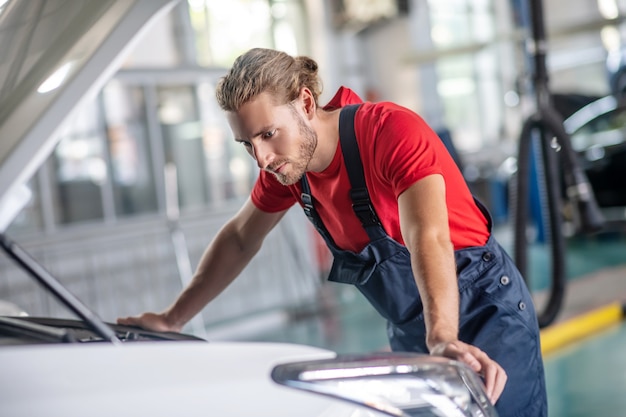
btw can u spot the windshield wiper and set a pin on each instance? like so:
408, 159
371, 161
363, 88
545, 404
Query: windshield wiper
21, 328
22, 257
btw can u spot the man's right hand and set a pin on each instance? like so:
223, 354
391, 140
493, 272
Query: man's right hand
150, 321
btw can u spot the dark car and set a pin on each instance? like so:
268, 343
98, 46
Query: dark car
616, 71
598, 135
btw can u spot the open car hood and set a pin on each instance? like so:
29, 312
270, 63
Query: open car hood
55, 55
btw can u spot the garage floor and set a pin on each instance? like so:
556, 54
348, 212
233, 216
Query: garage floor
586, 378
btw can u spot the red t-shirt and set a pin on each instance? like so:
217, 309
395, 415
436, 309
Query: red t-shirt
397, 149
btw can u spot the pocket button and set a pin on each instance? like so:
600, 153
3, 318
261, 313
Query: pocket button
504, 280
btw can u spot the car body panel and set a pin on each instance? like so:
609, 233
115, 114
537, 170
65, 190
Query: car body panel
186, 378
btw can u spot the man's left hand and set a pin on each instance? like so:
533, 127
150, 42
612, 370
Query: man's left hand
493, 374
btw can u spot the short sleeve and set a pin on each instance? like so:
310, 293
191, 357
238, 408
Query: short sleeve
407, 149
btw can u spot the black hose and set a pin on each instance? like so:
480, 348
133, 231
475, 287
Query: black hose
547, 122
556, 239
519, 212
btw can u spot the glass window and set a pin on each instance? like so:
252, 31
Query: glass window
229, 168
290, 26
468, 81
29, 218
128, 146
183, 142
211, 167
80, 168
226, 29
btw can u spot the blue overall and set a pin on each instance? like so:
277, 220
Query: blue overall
496, 310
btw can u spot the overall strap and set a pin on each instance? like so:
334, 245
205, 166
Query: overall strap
361, 203
311, 213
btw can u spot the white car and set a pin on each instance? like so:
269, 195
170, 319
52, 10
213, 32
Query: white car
63, 367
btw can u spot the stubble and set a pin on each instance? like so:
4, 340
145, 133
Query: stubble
306, 149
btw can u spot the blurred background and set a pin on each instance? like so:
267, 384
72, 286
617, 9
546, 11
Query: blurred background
144, 175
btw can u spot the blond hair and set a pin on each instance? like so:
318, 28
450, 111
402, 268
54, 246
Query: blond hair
266, 70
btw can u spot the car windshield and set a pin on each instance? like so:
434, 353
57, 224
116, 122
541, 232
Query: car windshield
604, 129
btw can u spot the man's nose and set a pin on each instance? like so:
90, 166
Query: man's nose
263, 154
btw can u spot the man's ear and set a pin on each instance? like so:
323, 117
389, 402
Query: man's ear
308, 102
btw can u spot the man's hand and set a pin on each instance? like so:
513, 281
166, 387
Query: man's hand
149, 321
493, 374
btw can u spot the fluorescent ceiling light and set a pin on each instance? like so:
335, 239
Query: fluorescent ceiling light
56, 79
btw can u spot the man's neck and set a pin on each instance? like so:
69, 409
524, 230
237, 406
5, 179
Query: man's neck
326, 125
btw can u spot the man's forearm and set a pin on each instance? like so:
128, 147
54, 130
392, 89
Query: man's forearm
220, 264
426, 234
435, 272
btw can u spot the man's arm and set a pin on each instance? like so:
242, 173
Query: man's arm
226, 256
426, 234
425, 230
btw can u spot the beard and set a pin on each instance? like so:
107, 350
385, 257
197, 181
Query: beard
299, 165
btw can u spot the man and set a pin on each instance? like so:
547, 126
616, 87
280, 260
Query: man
396, 213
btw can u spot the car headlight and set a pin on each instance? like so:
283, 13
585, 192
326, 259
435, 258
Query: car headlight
398, 384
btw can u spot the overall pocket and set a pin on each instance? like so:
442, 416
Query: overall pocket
382, 273
491, 286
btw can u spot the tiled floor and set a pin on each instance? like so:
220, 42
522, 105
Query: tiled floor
584, 379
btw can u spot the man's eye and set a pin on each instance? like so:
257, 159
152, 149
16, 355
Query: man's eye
245, 144
269, 134
249, 148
